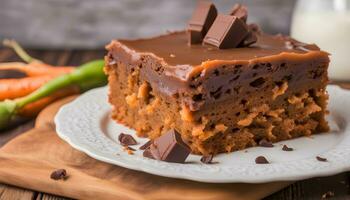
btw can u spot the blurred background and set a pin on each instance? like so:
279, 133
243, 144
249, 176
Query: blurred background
90, 24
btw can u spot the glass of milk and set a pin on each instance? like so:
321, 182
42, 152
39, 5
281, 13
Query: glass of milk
327, 24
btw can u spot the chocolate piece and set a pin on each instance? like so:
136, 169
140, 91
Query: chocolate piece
11, 73
207, 159
261, 160
170, 148
240, 11
286, 148
146, 145
321, 159
126, 139
59, 174
202, 18
226, 32
147, 153
265, 143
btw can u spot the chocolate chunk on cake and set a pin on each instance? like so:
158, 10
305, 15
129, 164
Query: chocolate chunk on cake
219, 99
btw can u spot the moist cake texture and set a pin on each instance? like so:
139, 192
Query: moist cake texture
219, 100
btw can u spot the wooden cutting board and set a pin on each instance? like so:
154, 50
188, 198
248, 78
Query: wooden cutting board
28, 160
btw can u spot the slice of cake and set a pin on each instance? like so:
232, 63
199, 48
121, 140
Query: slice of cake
219, 100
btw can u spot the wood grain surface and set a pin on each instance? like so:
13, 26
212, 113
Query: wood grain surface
307, 189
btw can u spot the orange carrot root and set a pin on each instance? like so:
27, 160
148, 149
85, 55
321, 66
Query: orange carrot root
14, 88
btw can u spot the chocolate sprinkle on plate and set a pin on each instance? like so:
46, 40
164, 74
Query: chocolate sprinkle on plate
261, 160
147, 153
59, 174
321, 159
265, 143
126, 139
286, 148
169, 148
207, 159
146, 145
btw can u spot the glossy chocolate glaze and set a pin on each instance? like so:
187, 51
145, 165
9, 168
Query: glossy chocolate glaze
174, 49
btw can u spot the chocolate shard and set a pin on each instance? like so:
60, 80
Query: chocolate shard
226, 32
265, 143
261, 160
240, 11
207, 159
146, 145
126, 139
202, 18
286, 148
170, 148
59, 174
321, 159
147, 153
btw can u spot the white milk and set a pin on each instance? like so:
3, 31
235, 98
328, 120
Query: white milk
330, 30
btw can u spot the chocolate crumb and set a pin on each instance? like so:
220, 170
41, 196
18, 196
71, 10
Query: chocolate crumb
59, 174
321, 159
126, 139
328, 195
207, 159
261, 160
265, 143
286, 148
146, 145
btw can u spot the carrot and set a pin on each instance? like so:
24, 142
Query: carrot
36, 69
13, 88
34, 108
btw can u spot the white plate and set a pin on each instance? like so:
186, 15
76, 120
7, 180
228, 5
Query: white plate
86, 125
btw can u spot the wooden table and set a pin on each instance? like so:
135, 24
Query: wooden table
308, 189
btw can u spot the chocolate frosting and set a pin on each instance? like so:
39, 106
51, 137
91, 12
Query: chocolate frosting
174, 49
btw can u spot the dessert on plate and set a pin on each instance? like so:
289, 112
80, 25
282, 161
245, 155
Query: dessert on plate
223, 84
